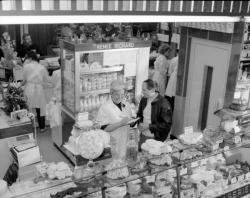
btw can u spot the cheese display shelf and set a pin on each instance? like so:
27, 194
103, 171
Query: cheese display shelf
202, 169
220, 172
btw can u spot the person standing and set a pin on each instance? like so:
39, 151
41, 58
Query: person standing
27, 46
155, 114
114, 117
161, 67
171, 86
35, 77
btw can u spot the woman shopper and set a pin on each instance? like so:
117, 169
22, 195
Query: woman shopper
161, 65
154, 112
35, 77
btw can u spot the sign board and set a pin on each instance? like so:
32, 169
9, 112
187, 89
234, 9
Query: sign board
163, 37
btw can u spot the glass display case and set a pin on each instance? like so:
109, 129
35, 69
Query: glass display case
88, 69
211, 168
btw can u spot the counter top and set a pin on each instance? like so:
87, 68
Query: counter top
8, 129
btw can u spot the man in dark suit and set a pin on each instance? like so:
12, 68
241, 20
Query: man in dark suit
27, 46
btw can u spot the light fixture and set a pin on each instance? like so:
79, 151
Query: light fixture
46, 19
247, 19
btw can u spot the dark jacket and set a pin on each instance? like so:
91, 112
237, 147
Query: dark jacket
161, 116
24, 49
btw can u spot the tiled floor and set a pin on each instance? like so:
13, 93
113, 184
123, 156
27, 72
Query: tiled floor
48, 150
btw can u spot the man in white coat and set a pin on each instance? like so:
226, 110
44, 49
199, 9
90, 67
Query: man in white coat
114, 117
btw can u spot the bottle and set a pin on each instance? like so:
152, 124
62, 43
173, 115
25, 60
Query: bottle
85, 105
82, 105
90, 104
132, 147
93, 103
97, 102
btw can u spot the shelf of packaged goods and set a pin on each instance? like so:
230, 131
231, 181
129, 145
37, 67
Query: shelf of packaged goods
95, 92
101, 91
101, 70
198, 161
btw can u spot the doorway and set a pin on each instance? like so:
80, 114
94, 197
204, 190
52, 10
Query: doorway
207, 78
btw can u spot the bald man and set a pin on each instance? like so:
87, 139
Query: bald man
114, 117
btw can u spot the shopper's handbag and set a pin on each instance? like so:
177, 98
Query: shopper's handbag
12, 174
53, 113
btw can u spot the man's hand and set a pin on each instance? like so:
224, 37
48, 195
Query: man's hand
125, 121
143, 127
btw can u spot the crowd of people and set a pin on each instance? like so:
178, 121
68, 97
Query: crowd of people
155, 108
163, 71
35, 78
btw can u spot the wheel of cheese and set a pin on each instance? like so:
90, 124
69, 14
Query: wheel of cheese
90, 145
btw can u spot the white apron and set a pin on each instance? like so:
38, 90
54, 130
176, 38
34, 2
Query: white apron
109, 113
35, 75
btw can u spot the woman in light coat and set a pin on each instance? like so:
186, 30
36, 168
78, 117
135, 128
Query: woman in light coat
35, 77
161, 67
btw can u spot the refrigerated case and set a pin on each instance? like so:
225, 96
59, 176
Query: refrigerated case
87, 71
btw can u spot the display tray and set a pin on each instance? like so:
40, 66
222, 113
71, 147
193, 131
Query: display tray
78, 160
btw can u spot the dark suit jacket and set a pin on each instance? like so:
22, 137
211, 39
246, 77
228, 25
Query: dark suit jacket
161, 116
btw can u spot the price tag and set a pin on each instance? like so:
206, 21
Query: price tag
247, 176
237, 139
241, 178
194, 164
233, 180
188, 130
150, 179
226, 148
215, 146
183, 171
203, 161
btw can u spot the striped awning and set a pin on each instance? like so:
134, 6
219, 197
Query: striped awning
121, 7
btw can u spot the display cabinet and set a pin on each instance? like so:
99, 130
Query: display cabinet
200, 170
88, 69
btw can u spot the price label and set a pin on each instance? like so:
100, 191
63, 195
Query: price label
150, 179
234, 180
188, 130
183, 171
247, 176
241, 178
203, 161
237, 139
226, 148
215, 146
194, 164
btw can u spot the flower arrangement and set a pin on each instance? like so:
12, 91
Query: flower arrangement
14, 98
10, 55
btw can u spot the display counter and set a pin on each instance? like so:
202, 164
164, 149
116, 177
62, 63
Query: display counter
170, 173
9, 132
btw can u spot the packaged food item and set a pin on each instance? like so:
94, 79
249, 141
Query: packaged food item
155, 147
117, 169
191, 138
116, 192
